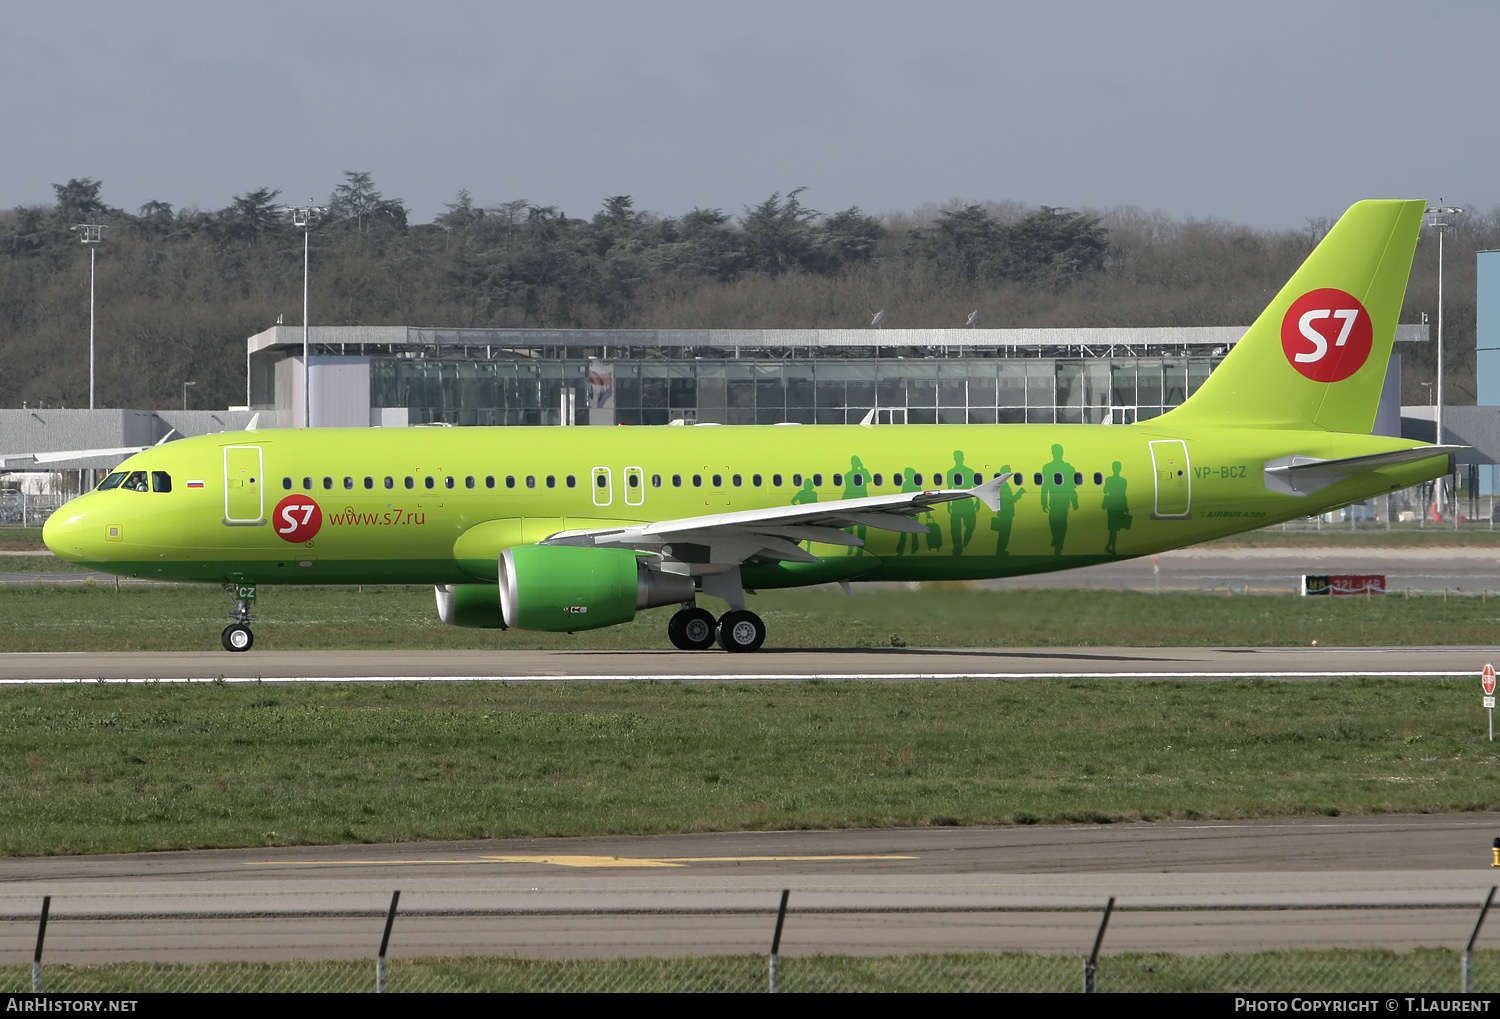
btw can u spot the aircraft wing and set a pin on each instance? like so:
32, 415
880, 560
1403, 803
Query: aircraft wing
776, 533
68, 459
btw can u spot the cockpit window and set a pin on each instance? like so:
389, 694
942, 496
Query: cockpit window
113, 481
161, 481
136, 482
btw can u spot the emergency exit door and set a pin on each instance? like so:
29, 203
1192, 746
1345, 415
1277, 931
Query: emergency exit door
1174, 480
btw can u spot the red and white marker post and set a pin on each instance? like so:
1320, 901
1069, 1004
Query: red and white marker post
1487, 681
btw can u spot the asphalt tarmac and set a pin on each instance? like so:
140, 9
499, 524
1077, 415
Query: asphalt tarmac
770, 665
1192, 887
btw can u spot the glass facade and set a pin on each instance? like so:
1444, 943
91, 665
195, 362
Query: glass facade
975, 390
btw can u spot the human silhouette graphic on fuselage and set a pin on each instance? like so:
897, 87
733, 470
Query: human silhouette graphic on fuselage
1116, 507
1005, 514
1059, 495
856, 484
964, 513
909, 484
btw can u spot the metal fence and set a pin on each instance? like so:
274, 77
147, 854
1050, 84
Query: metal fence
1313, 964
18, 509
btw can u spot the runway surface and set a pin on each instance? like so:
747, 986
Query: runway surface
1279, 570
778, 665
1395, 882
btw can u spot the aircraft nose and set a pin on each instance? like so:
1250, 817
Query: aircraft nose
63, 533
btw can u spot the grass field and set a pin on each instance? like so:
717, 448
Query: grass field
51, 617
106, 768
1330, 970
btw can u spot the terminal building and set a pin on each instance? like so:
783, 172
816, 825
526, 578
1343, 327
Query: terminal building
398, 375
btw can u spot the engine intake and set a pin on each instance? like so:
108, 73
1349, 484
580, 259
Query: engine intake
563, 588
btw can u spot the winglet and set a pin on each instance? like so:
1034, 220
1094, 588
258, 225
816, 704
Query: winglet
254, 420
868, 419
989, 492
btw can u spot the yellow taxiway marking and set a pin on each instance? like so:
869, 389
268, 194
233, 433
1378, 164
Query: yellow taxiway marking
584, 861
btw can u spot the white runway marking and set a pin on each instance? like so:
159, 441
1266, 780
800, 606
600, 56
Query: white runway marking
768, 677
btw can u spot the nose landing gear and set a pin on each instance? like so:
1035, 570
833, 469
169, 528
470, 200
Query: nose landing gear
237, 635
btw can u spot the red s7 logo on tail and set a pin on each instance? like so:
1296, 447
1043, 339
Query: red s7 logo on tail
1327, 335
297, 518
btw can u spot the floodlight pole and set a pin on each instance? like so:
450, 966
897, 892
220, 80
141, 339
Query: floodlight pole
1437, 217
303, 218
90, 234
184, 393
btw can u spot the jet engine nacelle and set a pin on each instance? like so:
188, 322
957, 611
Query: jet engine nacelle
476, 605
563, 588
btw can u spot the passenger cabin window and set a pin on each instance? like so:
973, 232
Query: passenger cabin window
449, 481
600, 481
510, 481
877, 481
410, 482
1057, 479
817, 481
838, 479
469, 481
113, 481
718, 481
776, 480
736, 481
286, 483
631, 481
796, 481
1036, 479
1098, 478
369, 482
429, 481
656, 481
390, 482
677, 481
916, 479
348, 484
552, 481
161, 481
327, 483
572, 481
136, 482
531, 481
1078, 478
489, 481
755, 479
307, 484
697, 481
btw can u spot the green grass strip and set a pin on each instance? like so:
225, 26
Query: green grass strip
1429, 970
93, 768
97, 617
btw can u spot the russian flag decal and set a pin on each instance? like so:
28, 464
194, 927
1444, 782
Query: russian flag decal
195, 484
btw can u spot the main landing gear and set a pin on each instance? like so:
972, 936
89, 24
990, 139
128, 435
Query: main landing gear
695, 629
237, 635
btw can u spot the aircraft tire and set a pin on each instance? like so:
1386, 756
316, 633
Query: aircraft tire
692, 629
741, 631
237, 637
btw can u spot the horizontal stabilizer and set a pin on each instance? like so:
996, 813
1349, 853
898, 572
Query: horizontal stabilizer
1303, 475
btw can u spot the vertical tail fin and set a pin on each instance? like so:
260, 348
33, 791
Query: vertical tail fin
1317, 356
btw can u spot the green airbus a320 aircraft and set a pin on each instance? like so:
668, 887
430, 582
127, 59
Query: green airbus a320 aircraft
570, 529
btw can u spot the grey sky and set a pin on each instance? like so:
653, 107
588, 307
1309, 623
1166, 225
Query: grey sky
1267, 113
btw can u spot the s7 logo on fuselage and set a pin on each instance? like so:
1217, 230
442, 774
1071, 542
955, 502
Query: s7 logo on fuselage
297, 518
